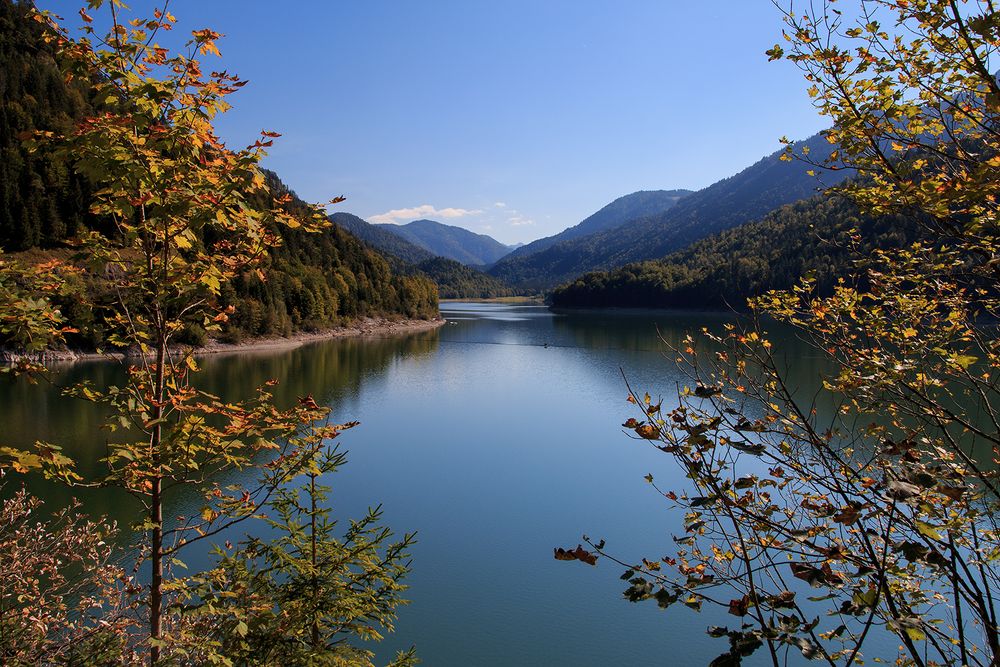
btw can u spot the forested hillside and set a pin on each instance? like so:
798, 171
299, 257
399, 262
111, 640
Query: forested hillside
747, 196
810, 237
311, 280
454, 279
323, 279
380, 238
42, 202
458, 281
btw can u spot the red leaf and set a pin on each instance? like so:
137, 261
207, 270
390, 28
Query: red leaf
579, 554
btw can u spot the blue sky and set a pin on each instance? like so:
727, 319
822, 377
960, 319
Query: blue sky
514, 119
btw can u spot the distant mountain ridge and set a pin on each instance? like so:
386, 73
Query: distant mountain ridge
454, 279
749, 195
381, 238
618, 212
723, 270
450, 241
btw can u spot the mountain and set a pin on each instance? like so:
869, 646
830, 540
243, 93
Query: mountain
749, 195
380, 238
453, 278
809, 237
318, 280
451, 242
615, 214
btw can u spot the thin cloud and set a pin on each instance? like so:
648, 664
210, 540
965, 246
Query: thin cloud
519, 220
424, 211
500, 204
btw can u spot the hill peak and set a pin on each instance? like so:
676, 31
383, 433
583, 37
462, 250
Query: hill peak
450, 241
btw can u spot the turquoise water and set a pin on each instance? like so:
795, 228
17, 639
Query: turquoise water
496, 437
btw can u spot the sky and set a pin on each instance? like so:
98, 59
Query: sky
515, 119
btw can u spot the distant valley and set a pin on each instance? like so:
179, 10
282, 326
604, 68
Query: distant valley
455, 279
757, 229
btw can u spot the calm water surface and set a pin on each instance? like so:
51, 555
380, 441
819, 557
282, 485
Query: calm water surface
496, 437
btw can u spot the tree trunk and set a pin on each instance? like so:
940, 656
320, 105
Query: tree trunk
156, 510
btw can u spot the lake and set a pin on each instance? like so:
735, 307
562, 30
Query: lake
496, 437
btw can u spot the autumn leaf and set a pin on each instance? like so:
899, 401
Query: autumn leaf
579, 554
740, 606
308, 402
647, 431
816, 576
702, 391
848, 515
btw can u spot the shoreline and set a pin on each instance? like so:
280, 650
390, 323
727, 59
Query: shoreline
367, 327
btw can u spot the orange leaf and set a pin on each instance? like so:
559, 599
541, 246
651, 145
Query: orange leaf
648, 431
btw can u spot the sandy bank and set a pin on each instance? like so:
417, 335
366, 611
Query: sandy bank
367, 327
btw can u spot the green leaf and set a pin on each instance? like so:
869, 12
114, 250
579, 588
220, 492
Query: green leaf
927, 530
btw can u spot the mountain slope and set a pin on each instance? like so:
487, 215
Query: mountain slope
42, 202
450, 241
723, 270
618, 212
380, 238
312, 280
453, 278
458, 281
746, 196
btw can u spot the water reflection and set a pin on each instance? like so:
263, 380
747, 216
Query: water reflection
496, 437
335, 371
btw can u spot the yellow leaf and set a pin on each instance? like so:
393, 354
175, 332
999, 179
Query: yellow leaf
965, 360
209, 47
927, 530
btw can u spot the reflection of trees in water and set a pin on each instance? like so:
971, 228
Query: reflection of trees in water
332, 371
654, 331
801, 365
329, 370
30, 412
633, 331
